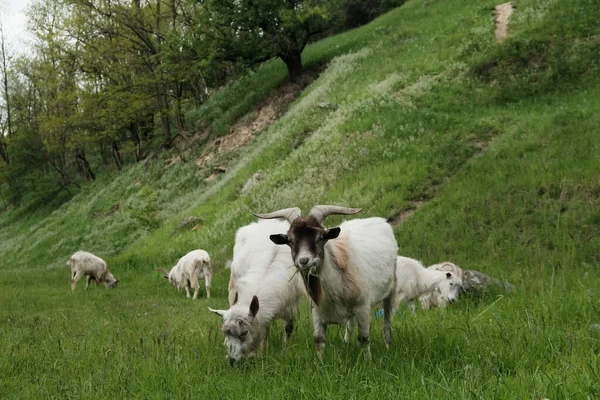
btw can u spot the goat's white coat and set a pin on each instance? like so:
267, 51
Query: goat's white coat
189, 269
93, 267
349, 293
444, 292
262, 269
414, 280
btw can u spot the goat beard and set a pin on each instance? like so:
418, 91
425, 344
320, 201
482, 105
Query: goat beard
313, 286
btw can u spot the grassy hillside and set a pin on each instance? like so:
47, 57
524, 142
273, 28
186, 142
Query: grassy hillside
493, 146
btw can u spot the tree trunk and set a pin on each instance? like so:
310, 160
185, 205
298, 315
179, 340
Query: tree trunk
85, 165
293, 62
178, 112
104, 150
116, 154
134, 129
5, 82
163, 101
3, 152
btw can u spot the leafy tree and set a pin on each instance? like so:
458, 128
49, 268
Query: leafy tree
257, 30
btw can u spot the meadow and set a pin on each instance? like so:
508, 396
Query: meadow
482, 153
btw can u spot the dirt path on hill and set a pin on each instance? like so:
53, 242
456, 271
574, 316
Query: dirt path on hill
502, 13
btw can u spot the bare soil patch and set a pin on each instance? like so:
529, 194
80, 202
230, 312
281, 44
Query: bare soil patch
502, 12
261, 116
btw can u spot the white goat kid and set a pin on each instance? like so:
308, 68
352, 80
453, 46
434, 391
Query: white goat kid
93, 267
188, 270
346, 270
447, 291
263, 286
414, 280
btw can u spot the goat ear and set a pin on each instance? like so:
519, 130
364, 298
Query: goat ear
448, 275
220, 313
279, 239
254, 306
332, 233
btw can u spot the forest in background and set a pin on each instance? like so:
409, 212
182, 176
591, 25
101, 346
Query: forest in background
112, 82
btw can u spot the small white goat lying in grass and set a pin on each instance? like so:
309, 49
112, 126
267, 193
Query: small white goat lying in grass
84, 263
188, 270
447, 291
263, 286
414, 280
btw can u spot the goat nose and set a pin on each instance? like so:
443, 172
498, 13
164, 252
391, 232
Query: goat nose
303, 261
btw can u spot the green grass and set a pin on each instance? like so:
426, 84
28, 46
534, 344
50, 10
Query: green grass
500, 140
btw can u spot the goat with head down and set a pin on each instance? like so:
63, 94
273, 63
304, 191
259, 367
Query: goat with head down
188, 270
93, 267
414, 281
346, 269
447, 291
262, 286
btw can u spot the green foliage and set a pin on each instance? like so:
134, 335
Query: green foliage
144, 208
256, 31
555, 54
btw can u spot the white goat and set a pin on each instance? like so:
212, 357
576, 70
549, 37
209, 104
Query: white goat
263, 286
188, 270
84, 263
447, 291
414, 280
346, 270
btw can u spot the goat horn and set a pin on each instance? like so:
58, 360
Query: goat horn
319, 213
162, 270
287, 213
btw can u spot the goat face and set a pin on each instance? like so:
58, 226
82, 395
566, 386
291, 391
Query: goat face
306, 238
450, 287
110, 281
241, 331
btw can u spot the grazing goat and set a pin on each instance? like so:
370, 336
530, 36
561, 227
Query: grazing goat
447, 291
263, 286
188, 270
414, 280
84, 263
346, 270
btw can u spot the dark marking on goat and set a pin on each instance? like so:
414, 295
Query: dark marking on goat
254, 306
313, 287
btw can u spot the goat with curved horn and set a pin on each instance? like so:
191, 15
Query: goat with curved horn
289, 214
319, 213
346, 270
164, 271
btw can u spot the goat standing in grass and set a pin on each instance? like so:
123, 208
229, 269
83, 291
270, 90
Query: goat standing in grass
346, 270
93, 267
188, 270
263, 286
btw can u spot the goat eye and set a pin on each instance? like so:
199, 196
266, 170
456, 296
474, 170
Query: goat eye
243, 334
